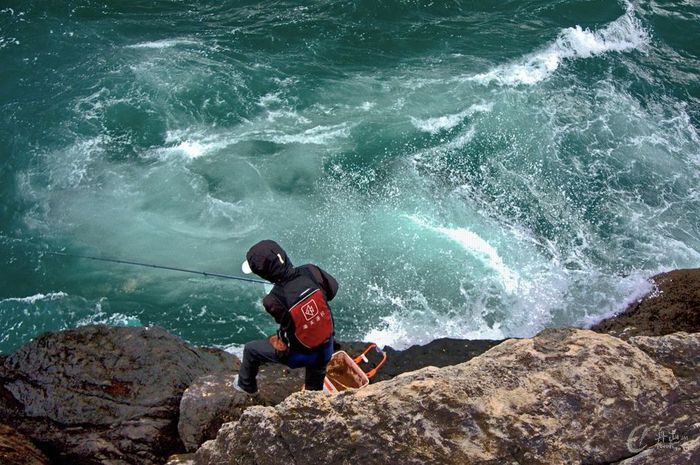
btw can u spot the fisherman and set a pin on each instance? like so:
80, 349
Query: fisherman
298, 303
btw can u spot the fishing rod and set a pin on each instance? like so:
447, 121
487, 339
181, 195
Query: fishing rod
160, 267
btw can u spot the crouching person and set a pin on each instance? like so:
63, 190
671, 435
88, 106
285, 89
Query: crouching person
298, 302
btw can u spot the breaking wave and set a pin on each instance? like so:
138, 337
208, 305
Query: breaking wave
622, 35
36, 297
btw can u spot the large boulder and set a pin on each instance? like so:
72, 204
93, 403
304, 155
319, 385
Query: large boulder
564, 396
673, 305
212, 401
99, 394
17, 449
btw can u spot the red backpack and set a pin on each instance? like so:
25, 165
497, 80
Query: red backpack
313, 324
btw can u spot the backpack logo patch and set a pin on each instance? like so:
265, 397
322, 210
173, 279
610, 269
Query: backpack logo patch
310, 310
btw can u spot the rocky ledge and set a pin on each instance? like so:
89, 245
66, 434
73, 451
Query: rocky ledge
673, 305
627, 394
564, 396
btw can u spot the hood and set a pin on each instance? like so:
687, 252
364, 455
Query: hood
269, 261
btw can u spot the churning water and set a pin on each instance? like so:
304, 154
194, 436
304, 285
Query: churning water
465, 169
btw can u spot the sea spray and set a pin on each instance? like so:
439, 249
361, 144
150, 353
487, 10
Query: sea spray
463, 170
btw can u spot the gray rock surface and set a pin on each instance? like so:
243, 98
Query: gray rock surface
564, 396
212, 401
99, 394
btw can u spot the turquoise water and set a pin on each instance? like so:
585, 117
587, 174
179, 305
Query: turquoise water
465, 169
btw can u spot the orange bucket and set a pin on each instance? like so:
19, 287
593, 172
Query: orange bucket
343, 372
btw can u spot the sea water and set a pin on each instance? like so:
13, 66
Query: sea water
466, 169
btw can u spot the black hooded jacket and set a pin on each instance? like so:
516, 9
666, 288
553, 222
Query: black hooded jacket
269, 261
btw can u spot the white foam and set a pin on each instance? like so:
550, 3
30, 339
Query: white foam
440, 123
400, 333
392, 334
37, 297
429, 157
318, 135
269, 99
479, 248
192, 149
633, 288
473, 243
274, 115
5, 41
435, 125
113, 319
278, 108
163, 43
235, 349
71, 166
624, 34
192, 143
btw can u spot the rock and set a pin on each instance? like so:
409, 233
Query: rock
212, 401
673, 305
99, 394
564, 396
180, 459
684, 451
675, 434
17, 449
680, 352
437, 353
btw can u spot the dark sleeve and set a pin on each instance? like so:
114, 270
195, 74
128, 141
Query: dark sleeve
330, 285
274, 307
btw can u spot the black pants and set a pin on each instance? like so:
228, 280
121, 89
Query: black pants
255, 353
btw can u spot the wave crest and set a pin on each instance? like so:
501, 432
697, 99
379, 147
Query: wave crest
624, 34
